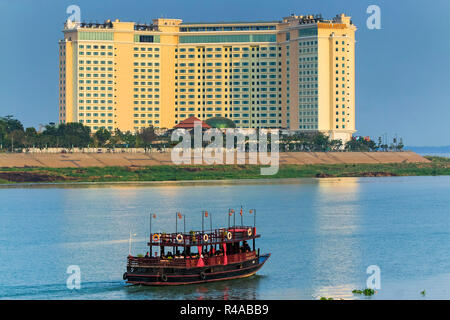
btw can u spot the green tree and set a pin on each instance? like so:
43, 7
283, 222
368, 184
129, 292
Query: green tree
17, 139
65, 135
11, 133
129, 139
116, 138
147, 136
2, 132
336, 145
11, 124
73, 134
321, 142
49, 137
102, 136
31, 137
361, 145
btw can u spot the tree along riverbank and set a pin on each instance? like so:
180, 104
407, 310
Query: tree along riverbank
437, 166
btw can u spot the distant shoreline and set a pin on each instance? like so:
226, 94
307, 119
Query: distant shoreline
171, 173
432, 149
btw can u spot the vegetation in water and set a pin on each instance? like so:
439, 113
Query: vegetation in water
366, 292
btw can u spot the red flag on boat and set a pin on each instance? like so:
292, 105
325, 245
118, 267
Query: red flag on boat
240, 212
251, 211
180, 216
206, 214
154, 216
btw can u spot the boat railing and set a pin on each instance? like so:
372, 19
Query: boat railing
198, 238
190, 262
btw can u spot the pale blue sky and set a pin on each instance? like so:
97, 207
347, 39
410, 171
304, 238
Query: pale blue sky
402, 70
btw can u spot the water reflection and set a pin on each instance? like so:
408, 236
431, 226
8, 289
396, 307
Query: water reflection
238, 289
337, 250
134, 184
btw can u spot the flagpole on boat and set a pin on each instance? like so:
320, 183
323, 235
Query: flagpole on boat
254, 226
152, 215
242, 217
129, 245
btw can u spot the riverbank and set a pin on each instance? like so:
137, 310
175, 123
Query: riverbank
436, 166
142, 159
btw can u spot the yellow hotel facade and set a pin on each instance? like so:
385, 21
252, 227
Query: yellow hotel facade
297, 73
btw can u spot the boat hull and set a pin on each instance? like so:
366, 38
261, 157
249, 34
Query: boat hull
168, 276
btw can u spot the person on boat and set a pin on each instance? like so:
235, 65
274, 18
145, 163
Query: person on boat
246, 246
147, 255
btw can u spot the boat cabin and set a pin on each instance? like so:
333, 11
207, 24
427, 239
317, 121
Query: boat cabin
199, 248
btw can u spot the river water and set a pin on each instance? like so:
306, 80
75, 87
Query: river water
323, 235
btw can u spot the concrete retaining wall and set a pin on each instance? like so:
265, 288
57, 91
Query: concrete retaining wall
74, 160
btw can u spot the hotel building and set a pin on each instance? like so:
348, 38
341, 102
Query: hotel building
297, 73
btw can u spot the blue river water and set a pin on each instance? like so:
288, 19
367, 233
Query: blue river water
323, 235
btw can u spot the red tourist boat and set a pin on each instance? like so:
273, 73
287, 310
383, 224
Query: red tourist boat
197, 256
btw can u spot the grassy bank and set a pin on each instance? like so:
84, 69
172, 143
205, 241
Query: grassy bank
437, 166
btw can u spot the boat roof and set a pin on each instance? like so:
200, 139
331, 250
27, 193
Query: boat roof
198, 238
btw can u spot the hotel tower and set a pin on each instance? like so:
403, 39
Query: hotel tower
297, 73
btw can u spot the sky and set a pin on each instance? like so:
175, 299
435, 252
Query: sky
402, 69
